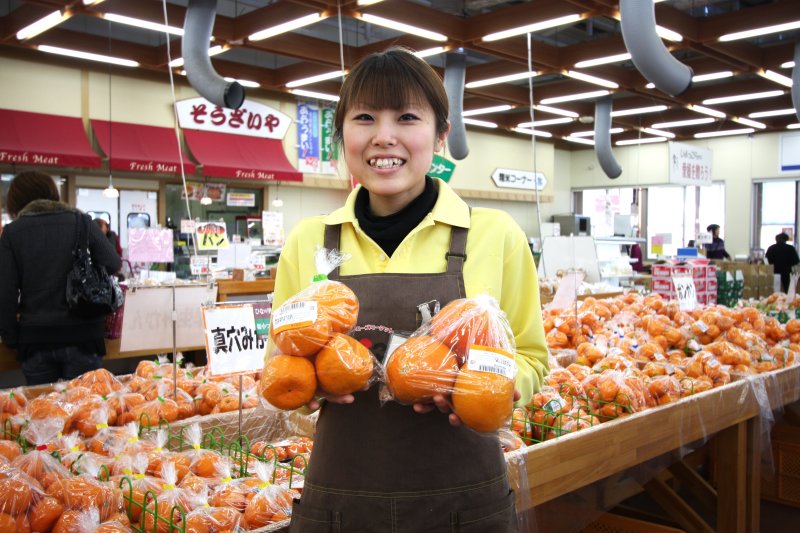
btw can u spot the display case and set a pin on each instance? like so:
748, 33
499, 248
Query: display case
613, 257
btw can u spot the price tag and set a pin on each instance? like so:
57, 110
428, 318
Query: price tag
394, 343
555, 405
685, 292
294, 315
199, 265
187, 225
567, 290
486, 359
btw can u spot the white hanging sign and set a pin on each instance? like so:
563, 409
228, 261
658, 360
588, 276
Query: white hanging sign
232, 345
685, 292
519, 179
689, 165
252, 119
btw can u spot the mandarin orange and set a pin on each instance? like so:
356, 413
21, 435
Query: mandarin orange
343, 366
288, 382
420, 368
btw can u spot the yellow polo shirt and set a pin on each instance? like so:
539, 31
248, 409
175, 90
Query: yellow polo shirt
499, 262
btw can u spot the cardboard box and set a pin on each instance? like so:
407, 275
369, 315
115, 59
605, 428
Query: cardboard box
700, 285
711, 298
662, 285
661, 271
711, 285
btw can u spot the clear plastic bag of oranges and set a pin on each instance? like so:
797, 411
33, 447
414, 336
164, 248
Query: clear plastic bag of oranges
313, 353
465, 353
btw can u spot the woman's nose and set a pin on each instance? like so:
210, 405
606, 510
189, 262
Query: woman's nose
384, 135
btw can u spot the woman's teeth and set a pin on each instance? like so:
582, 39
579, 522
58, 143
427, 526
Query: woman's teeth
385, 162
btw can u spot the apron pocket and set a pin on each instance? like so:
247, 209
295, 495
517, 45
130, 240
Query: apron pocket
497, 517
312, 520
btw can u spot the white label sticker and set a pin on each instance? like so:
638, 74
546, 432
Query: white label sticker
294, 315
615, 351
712, 363
767, 358
555, 405
658, 356
394, 343
702, 325
491, 360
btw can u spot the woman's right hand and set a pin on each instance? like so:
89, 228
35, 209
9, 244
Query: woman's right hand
343, 399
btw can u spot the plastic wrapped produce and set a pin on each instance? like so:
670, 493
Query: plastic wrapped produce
38, 463
272, 503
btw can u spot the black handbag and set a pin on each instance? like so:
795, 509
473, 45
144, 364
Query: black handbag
91, 291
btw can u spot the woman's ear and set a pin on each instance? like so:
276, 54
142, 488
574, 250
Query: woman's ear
440, 138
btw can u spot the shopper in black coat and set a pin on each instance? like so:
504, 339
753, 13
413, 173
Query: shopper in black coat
35, 257
783, 257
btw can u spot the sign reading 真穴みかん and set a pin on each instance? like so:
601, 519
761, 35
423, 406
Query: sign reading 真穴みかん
232, 343
252, 119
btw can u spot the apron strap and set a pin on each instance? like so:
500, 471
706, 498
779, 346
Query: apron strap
332, 234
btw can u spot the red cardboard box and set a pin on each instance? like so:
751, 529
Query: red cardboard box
702, 297
699, 272
711, 285
712, 298
662, 285
661, 271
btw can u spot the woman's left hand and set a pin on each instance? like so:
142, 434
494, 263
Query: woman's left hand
443, 404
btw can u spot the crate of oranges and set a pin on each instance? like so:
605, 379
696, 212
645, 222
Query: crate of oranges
464, 353
313, 351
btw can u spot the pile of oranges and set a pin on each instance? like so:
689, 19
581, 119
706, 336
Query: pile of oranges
314, 351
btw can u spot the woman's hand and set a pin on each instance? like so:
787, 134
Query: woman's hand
343, 399
443, 404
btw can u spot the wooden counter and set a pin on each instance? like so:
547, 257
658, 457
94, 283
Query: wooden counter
729, 414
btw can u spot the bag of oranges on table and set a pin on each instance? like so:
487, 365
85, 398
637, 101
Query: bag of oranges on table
312, 349
465, 353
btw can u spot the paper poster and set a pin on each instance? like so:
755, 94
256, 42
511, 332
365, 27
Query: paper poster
657, 249
689, 165
241, 199
211, 235
308, 159
194, 190
150, 245
657, 240
328, 148
200, 265
272, 224
187, 225
567, 291
262, 312
685, 292
232, 345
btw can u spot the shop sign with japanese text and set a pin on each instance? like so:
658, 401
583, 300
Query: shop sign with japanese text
232, 343
329, 154
519, 179
308, 138
441, 168
689, 165
252, 119
211, 235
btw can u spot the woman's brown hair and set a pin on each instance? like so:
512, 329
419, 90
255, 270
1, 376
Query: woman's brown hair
390, 80
27, 187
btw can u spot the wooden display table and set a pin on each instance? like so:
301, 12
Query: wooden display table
228, 288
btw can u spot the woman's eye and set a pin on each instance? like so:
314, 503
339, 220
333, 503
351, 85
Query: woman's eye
408, 116
362, 116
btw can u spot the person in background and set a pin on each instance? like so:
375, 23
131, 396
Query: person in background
716, 248
783, 257
35, 257
411, 240
110, 235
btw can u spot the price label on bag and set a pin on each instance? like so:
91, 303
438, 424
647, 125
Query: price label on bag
294, 315
685, 292
486, 359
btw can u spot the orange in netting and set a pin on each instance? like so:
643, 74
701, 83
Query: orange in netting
343, 366
288, 382
420, 368
462, 323
483, 400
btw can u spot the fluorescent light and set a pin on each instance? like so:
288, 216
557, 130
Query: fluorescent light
430, 51
591, 79
145, 24
578, 96
315, 79
777, 78
91, 2
795, 126
485, 110
773, 113
579, 140
712, 76
679, 123
643, 140
213, 51
668, 34
546, 122
484, 123
603, 60
244, 83
285, 26
399, 26
501, 79
638, 110
760, 31
556, 111
707, 111
723, 133
87, 55
314, 94
788, 64
42, 25
751, 123
535, 133
368, 2
741, 97
530, 28
590, 133
659, 133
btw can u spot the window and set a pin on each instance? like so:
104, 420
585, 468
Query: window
601, 206
776, 211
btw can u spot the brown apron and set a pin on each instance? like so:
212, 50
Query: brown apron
387, 468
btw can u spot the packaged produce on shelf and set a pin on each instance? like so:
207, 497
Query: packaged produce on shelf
19, 494
130, 474
38, 463
207, 517
271, 503
168, 507
160, 456
100, 382
465, 353
312, 349
85, 491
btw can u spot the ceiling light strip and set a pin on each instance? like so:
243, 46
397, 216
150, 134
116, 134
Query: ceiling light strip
87, 55
756, 32
795, 126
431, 51
556, 111
572, 97
590, 133
401, 27
777, 78
243, 83
314, 94
638, 110
706, 111
668, 34
751, 123
213, 51
603, 60
286, 27
742, 97
588, 78
535, 133
643, 140
579, 140
482, 123
659, 133
681, 123
530, 28
485, 110
501, 79
700, 78
722, 133
144, 24
314, 79
42, 25
546, 122
773, 113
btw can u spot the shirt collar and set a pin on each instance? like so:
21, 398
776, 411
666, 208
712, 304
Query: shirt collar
449, 208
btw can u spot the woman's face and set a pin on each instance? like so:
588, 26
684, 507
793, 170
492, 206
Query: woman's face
389, 151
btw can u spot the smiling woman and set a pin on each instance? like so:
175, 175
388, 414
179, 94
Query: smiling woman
411, 240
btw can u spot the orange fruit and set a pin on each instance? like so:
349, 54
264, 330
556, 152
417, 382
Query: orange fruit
343, 366
9, 449
208, 464
15, 496
304, 340
339, 303
7, 523
462, 323
483, 400
23, 524
69, 522
112, 527
420, 368
288, 382
45, 514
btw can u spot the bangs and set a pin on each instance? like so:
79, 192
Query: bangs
387, 84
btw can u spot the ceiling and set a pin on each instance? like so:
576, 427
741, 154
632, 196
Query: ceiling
343, 36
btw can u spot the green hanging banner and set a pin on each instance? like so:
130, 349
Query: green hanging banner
441, 168
329, 155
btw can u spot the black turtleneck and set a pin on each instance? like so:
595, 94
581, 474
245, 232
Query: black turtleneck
389, 231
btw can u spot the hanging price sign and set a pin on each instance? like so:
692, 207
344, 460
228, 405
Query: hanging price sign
685, 292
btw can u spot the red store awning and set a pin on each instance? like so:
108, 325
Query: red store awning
38, 139
240, 156
139, 148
